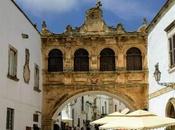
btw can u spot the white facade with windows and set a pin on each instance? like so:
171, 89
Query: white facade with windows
20, 70
161, 49
80, 112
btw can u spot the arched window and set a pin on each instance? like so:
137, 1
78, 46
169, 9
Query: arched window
55, 61
170, 111
81, 60
133, 59
107, 60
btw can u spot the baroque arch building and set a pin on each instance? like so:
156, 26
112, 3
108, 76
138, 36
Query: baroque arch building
93, 57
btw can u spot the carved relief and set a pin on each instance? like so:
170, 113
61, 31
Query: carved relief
26, 71
68, 45
94, 20
94, 78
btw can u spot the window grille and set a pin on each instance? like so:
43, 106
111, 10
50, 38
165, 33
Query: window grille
133, 59
81, 60
55, 61
107, 60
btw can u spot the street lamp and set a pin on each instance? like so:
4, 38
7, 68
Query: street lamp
157, 76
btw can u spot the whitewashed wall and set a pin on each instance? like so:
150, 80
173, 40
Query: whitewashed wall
158, 51
17, 94
88, 109
120, 105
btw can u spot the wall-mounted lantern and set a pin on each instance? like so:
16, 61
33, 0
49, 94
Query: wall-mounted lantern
157, 76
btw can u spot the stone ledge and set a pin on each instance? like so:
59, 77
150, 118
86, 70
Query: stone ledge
160, 92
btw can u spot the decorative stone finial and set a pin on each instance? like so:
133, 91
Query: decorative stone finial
69, 28
44, 30
120, 29
143, 27
44, 24
94, 20
98, 4
145, 21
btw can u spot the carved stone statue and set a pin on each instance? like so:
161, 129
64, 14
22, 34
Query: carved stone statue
94, 20
69, 28
44, 30
98, 4
120, 29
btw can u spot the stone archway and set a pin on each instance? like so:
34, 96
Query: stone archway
130, 106
94, 35
56, 97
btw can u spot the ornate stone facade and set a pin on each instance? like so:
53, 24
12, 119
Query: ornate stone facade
94, 35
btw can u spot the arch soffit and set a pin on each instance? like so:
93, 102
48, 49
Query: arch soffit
171, 101
57, 50
77, 48
114, 49
128, 104
52, 48
141, 48
108, 49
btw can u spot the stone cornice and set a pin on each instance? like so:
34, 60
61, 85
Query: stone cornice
170, 27
160, 92
107, 34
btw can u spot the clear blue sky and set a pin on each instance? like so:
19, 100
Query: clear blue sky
60, 13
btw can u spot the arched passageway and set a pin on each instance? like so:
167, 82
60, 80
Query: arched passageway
123, 100
54, 107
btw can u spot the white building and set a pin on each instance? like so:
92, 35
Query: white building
87, 108
20, 70
161, 49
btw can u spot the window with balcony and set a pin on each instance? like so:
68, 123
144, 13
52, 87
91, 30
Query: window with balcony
133, 59
10, 119
81, 60
55, 61
172, 51
107, 60
12, 63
